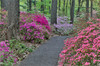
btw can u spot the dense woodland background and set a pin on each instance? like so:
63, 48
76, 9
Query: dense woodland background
25, 24
51, 8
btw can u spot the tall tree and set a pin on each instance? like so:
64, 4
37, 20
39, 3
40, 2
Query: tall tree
67, 6
72, 11
59, 4
13, 18
91, 8
42, 5
79, 3
29, 4
59, 7
54, 12
63, 7
49, 7
87, 9
82, 3
4, 4
35, 4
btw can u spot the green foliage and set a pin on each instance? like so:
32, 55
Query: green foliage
8, 63
47, 7
18, 48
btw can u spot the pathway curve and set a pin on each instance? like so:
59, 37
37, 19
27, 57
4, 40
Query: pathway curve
47, 54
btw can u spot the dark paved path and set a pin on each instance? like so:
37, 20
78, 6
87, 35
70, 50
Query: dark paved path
47, 54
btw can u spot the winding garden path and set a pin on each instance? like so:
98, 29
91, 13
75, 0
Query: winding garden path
47, 54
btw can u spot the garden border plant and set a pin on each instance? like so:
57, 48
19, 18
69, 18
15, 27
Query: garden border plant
32, 27
83, 49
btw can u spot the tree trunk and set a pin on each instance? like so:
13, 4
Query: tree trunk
80, 6
82, 3
91, 8
4, 4
59, 8
59, 4
27, 5
49, 7
13, 19
72, 11
30, 5
79, 1
66, 7
54, 12
42, 5
70, 2
35, 4
45, 6
63, 7
87, 9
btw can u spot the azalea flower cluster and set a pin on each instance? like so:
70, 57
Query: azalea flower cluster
2, 24
3, 16
3, 21
62, 25
41, 19
34, 27
6, 55
83, 49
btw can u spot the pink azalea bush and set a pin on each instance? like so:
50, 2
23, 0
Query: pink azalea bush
34, 27
41, 19
3, 16
3, 21
38, 18
2, 25
84, 49
6, 55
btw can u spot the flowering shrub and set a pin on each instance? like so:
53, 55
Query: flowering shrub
2, 25
3, 21
33, 31
41, 19
6, 55
38, 18
63, 26
84, 49
3, 16
34, 27
81, 24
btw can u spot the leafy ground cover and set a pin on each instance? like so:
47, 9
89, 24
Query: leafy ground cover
84, 49
12, 51
6, 55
